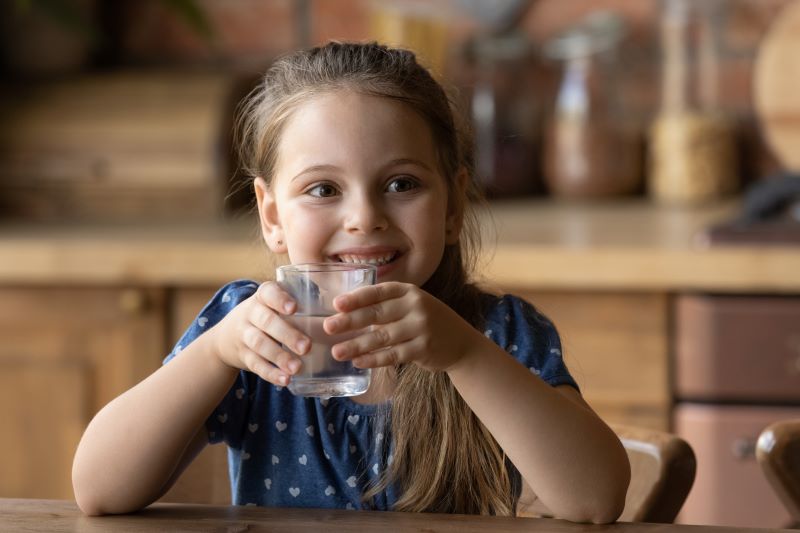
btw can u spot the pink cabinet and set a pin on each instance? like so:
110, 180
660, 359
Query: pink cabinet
737, 370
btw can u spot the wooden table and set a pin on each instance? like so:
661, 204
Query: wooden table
58, 516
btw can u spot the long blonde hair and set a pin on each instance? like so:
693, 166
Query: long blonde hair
444, 459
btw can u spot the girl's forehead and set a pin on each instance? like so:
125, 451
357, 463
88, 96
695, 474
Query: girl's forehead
341, 127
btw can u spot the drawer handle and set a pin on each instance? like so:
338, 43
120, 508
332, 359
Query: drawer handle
133, 301
744, 448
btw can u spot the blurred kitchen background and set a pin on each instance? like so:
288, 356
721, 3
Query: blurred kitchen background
637, 154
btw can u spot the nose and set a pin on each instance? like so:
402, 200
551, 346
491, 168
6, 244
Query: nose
365, 214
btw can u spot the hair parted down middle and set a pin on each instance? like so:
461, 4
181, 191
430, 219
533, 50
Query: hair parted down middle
444, 459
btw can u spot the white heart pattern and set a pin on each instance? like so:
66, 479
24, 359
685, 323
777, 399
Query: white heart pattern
375, 468
351, 481
329, 490
349, 507
353, 419
281, 425
275, 459
378, 438
252, 427
226, 298
488, 333
328, 457
302, 459
223, 418
513, 348
324, 402
294, 491
202, 321
310, 431
268, 483
330, 429
239, 394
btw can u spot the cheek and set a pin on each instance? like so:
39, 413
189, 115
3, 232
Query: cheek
305, 233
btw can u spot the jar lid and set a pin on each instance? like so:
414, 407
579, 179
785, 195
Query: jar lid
599, 32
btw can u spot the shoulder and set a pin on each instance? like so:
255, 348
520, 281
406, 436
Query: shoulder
222, 303
510, 315
528, 335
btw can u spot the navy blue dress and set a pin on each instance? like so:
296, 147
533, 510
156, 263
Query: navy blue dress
290, 451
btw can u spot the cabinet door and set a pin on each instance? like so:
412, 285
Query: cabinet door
64, 354
616, 347
206, 479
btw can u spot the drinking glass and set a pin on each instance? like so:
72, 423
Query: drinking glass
314, 287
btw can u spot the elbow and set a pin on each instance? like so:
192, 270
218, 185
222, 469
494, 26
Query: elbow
89, 501
611, 508
606, 508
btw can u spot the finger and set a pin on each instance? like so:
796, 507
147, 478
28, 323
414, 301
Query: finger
273, 296
389, 356
383, 312
264, 346
377, 338
369, 295
281, 331
264, 369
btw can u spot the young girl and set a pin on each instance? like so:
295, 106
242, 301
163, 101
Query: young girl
356, 157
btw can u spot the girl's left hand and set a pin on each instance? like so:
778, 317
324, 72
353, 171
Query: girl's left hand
408, 326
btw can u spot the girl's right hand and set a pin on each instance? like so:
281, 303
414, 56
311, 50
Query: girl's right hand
251, 336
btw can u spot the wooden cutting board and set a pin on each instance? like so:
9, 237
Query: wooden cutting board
777, 86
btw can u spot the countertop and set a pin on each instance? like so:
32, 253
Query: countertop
621, 245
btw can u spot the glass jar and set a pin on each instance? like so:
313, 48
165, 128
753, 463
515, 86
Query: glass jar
591, 150
693, 156
505, 114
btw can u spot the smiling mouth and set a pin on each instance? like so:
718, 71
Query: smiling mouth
371, 259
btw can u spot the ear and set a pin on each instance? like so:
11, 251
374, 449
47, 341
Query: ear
271, 228
455, 207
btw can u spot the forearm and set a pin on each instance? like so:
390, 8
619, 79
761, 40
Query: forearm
132, 446
574, 463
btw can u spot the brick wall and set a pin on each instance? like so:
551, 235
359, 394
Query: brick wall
248, 33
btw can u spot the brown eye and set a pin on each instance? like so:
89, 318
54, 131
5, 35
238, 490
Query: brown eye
403, 184
323, 190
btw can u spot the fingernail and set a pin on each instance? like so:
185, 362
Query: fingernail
333, 323
288, 307
294, 366
302, 346
284, 380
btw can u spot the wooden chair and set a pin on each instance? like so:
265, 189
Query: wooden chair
778, 453
662, 472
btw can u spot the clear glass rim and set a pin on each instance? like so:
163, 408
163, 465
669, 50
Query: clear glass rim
327, 267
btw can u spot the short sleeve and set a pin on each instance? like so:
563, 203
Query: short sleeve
230, 417
530, 337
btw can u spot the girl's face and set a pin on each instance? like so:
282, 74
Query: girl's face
357, 180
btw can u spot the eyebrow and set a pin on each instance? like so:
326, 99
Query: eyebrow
394, 162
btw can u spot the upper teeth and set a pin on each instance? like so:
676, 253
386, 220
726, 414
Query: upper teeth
381, 260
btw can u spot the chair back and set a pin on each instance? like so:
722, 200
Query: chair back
662, 472
778, 454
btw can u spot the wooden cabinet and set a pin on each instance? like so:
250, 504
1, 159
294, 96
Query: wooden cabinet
66, 352
206, 479
615, 345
